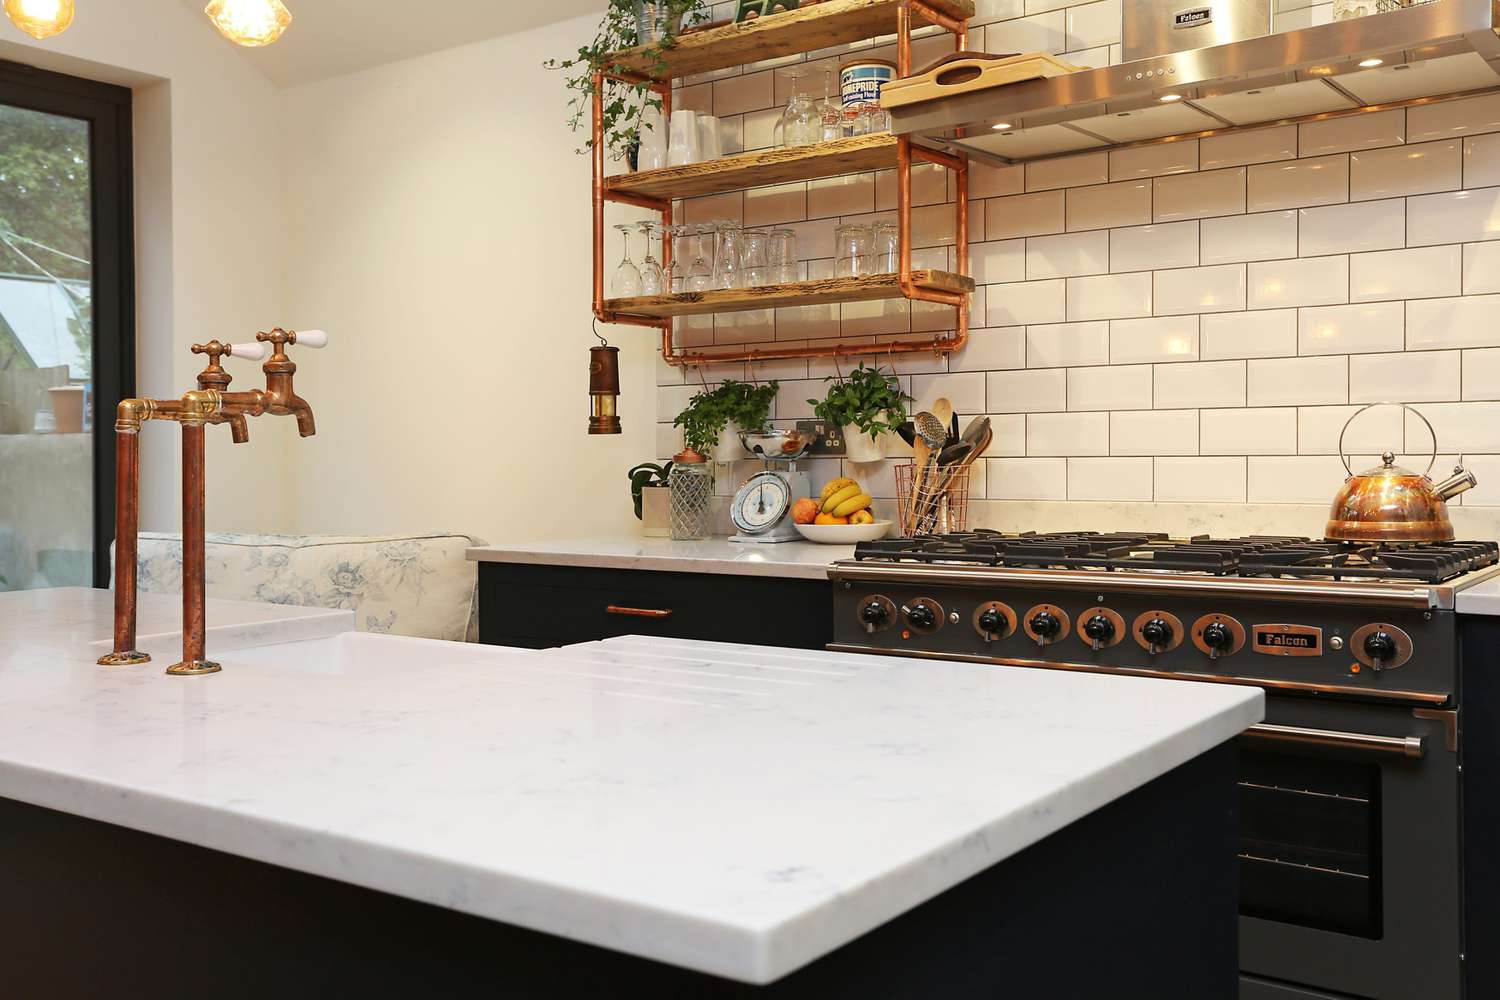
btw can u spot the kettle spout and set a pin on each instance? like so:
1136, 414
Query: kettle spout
1461, 481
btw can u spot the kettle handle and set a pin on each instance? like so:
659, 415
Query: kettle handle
1370, 406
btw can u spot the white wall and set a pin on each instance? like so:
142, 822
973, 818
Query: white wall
208, 191
436, 222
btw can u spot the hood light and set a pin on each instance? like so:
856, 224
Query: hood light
1371, 63
1000, 126
1170, 98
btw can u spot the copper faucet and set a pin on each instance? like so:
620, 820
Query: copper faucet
210, 403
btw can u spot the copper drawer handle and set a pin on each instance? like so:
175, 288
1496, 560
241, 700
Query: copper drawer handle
1406, 746
657, 613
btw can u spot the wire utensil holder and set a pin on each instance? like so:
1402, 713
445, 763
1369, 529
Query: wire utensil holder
942, 502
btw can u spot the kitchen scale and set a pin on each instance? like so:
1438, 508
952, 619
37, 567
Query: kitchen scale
762, 507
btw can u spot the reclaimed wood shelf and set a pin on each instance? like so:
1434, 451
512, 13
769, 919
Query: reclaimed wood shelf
824, 291
771, 166
807, 29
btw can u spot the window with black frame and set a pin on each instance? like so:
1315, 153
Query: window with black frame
67, 335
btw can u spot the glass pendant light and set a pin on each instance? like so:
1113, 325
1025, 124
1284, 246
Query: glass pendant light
249, 22
40, 18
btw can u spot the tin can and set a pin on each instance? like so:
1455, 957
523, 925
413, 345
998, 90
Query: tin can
860, 81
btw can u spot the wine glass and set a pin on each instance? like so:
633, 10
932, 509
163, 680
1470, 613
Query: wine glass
651, 273
626, 282
700, 273
675, 276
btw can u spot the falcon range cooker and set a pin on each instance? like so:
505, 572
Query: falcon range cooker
1353, 803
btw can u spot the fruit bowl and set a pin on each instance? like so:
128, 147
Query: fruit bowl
844, 534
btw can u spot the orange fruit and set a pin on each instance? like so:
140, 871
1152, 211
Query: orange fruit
830, 519
805, 510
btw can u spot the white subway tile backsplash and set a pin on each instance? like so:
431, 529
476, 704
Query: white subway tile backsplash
1462, 427
1025, 302
1067, 434
851, 195
1378, 429
1026, 478
1067, 345
1120, 387
1200, 480
1037, 391
1138, 341
1263, 236
1067, 255
1114, 296
1471, 321
965, 390
1093, 24
1153, 432
1298, 381
987, 180
1354, 329
1313, 282
1010, 435
1481, 161
1069, 171
1453, 217
1405, 170
1323, 180
1294, 479
1201, 385
1376, 225
1147, 248
991, 350
1449, 118
1110, 478
1481, 371
1109, 206
1269, 333
1487, 469
1426, 272
1041, 33
1253, 431
1199, 196
1341, 135
1481, 268
1024, 215
1153, 161
998, 261
1410, 377
1238, 149
1200, 290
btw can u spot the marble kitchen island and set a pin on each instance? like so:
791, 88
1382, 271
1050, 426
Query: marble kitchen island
369, 815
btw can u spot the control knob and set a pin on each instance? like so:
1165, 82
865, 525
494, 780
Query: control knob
920, 616
1381, 648
1046, 626
1099, 630
875, 615
1158, 634
1218, 638
992, 622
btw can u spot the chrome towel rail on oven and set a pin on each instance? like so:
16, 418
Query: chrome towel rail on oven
1405, 746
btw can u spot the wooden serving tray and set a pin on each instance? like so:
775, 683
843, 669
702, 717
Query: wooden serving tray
965, 74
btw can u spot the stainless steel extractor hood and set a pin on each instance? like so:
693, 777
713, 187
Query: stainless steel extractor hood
1412, 55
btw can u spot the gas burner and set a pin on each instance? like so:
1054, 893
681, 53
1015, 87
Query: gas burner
1252, 556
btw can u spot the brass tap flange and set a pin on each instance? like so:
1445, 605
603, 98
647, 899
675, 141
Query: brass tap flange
193, 668
134, 658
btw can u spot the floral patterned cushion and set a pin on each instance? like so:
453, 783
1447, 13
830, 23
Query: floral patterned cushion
417, 585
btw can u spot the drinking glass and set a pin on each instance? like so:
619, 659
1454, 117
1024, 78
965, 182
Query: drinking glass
755, 258
651, 273
710, 138
729, 269
885, 248
627, 278
781, 255
851, 244
700, 273
685, 145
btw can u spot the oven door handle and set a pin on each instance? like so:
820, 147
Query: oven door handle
1414, 747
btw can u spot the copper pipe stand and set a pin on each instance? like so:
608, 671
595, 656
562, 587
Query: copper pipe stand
192, 668
134, 658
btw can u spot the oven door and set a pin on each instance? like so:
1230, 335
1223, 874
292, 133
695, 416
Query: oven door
1349, 851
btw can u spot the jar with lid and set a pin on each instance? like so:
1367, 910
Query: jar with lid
692, 486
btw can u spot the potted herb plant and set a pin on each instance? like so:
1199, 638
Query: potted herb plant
867, 405
627, 24
715, 418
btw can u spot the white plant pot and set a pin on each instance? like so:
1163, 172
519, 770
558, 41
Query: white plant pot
656, 512
858, 446
729, 448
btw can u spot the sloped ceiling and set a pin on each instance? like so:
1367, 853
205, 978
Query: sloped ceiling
333, 37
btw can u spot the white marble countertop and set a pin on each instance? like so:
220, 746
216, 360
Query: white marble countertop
737, 810
1480, 599
799, 560
79, 622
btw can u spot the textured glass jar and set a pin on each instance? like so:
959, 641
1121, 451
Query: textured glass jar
692, 498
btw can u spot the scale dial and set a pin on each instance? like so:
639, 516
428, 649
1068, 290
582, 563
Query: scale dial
761, 503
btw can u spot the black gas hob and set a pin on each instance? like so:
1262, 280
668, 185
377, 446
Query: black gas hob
1254, 556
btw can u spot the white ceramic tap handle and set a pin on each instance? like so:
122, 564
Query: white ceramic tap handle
250, 352
312, 338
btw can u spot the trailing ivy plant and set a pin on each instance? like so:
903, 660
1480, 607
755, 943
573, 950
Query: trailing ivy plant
624, 103
710, 411
869, 399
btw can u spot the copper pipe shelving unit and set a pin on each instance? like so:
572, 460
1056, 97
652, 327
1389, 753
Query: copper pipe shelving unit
819, 26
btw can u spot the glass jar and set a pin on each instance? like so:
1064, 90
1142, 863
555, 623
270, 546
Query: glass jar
851, 249
800, 123
692, 485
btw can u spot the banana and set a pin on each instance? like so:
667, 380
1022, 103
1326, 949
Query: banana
834, 486
849, 506
843, 494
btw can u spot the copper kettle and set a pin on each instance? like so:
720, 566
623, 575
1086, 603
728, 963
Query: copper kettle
1392, 504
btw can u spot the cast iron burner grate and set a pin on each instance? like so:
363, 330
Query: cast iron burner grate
1251, 556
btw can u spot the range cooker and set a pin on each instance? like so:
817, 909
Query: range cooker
1351, 792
